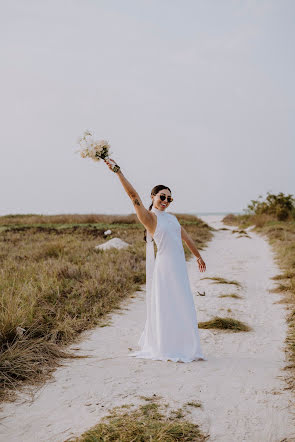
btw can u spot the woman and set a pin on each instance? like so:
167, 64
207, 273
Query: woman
171, 328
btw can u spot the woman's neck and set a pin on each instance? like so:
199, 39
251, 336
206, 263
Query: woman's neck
158, 210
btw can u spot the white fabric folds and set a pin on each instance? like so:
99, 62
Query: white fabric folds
150, 261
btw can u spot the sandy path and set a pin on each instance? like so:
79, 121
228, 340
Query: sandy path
241, 386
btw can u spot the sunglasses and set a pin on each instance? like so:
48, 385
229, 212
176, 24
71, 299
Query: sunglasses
163, 197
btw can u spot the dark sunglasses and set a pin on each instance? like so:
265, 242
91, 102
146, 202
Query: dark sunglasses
163, 197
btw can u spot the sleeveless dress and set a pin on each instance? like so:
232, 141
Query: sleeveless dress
171, 328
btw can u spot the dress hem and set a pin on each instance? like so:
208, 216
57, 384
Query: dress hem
142, 355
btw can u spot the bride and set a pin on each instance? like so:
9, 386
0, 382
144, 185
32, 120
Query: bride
171, 328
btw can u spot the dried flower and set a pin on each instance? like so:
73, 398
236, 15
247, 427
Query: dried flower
94, 149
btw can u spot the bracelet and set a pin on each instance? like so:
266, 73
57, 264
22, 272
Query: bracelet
116, 168
199, 258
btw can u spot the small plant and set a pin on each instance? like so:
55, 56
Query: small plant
194, 404
225, 324
219, 280
147, 422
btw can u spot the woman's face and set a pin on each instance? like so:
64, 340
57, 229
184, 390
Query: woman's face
158, 203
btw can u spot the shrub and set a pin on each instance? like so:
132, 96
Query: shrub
280, 206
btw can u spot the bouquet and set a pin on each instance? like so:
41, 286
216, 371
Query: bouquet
95, 149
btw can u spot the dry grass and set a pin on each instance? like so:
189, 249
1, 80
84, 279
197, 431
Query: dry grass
194, 404
230, 295
281, 236
9, 220
27, 358
241, 233
148, 422
54, 284
225, 324
243, 220
286, 275
219, 280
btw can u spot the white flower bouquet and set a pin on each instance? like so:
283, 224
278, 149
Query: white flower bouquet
95, 149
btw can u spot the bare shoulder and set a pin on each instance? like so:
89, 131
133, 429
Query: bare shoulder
146, 217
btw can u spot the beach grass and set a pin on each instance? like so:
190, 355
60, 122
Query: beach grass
153, 421
225, 324
241, 232
194, 404
230, 295
220, 280
54, 285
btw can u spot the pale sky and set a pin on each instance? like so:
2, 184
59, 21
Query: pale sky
197, 95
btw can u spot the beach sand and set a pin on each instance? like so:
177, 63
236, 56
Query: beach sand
241, 386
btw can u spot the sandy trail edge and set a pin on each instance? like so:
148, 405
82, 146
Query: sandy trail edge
241, 386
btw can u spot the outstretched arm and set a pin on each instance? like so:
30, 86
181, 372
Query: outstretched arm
191, 245
142, 213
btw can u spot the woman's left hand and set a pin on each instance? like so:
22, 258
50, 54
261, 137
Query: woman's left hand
202, 265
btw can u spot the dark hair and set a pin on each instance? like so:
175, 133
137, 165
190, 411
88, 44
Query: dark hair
154, 191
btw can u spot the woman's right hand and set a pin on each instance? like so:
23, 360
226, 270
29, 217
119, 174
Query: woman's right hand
108, 163
111, 163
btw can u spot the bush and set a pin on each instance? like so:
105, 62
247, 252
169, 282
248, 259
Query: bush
280, 206
230, 219
282, 213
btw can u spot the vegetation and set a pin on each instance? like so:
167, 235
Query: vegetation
274, 217
148, 422
219, 280
225, 324
54, 284
280, 206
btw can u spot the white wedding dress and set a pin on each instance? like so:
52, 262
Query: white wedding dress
171, 328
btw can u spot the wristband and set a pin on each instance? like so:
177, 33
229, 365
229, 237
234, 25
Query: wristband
116, 168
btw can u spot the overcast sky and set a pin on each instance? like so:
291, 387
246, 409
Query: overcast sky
197, 95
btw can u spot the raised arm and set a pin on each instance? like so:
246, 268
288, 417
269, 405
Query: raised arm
144, 215
191, 245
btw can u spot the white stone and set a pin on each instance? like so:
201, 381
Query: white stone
116, 243
20, 331
107, 232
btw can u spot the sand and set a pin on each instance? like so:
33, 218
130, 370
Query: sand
241, 386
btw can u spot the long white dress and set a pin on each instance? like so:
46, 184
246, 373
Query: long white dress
171, 328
